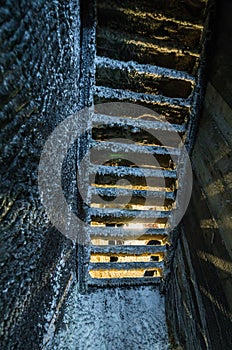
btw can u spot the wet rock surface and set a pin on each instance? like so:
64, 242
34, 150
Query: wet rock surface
113, 319
39, 72
40, 76
207, 224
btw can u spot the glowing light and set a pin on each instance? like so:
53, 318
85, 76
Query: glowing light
122, 273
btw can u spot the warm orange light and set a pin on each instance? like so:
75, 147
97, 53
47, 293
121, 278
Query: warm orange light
122, 273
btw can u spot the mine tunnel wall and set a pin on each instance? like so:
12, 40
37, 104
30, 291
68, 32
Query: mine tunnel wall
40, 63
199, 301
40, 77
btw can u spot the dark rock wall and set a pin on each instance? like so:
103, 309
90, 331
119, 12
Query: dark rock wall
39, 72
199, 299
40, 79
185, 311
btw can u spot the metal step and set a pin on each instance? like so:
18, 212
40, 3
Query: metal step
100, 119
128, 249
109, 282
113, 197
127, 232
121, 171
156, 71
124, 46
137, 197
120, 233
133, 147
170, 11
126, 265
106, 215
122, 95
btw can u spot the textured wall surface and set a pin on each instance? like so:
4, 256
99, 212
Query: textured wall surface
201, 283
199, 301
185, 311
40, 79
39, 72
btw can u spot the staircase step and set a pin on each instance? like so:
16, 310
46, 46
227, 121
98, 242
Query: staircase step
114, 191
105, 282
125, 47
122, 95
135, 77
154, 71
135, 148
137, 123
112, 16
130, 213
166, 109
126, 265
126, 233
106, 215
137, 197
191, 13
121, 171
128, 249
141, 155
140, 136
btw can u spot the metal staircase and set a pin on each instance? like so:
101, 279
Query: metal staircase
147, 53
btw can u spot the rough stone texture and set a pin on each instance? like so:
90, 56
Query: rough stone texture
213, 166
201, 280
113, 319
198, 299
39, 72
202, 262
184, 307
39, 67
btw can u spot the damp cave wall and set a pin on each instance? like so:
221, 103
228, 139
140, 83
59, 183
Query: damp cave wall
39, 87
198, 298
40, 79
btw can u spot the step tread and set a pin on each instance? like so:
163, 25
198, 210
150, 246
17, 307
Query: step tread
125, 233
114, 191
128, 249
137, 123
162, 14
117, 213
126, 265
135, 148
156, 71
129, 171
104, 282
120, 95
159, 44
